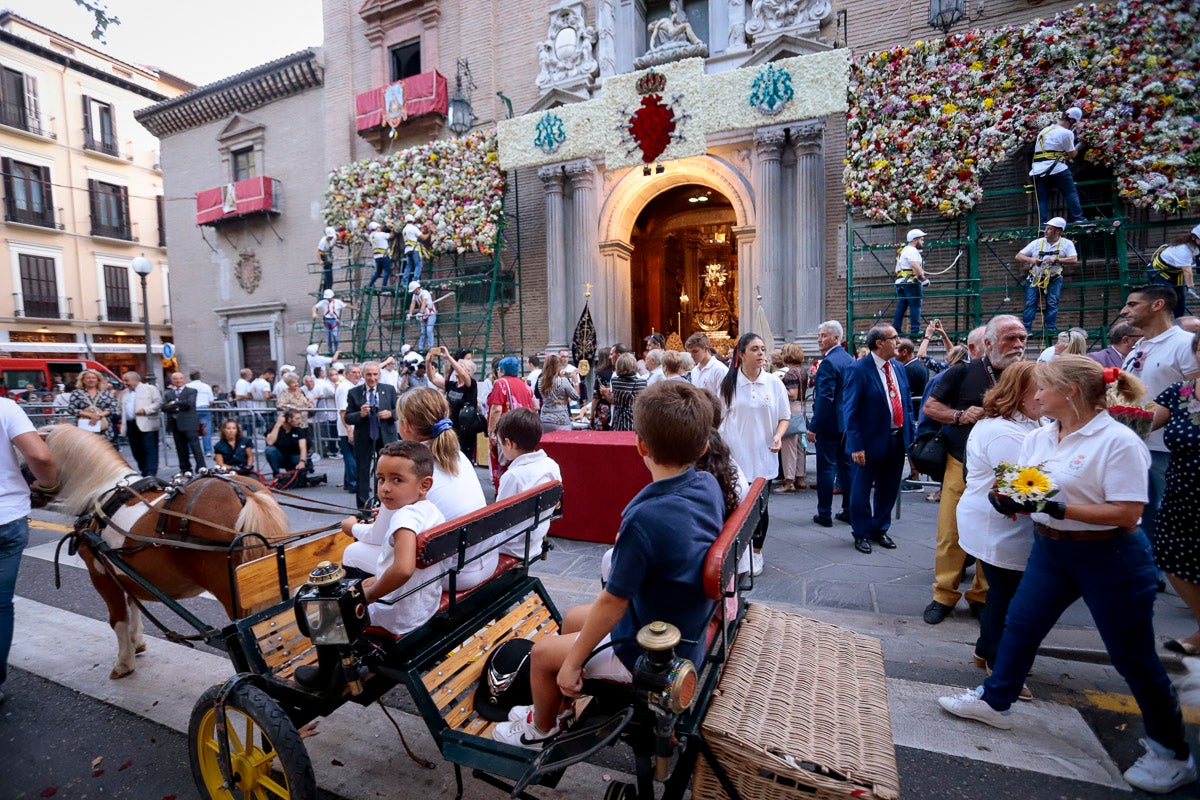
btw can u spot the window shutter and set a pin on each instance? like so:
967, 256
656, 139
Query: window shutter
47, 195
124, 211
87, 124
94, 202
10, 206
32, 115
162, 221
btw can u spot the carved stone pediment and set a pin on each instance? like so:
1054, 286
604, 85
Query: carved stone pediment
786, 46
566, 57
772, 18
558, 97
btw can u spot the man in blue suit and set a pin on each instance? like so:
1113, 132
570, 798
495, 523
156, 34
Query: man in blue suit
879, 429
828, 424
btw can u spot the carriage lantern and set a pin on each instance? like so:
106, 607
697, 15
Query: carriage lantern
331, 609
667, 682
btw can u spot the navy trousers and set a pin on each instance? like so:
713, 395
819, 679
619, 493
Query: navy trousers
833, 463
871, 516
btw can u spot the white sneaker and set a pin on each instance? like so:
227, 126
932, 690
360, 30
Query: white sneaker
519, 713
1159, 771
756, 564
522, 733
970, 705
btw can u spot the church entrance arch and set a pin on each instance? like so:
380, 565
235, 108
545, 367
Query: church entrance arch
679, 247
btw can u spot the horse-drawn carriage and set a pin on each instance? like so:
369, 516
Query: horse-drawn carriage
766, 715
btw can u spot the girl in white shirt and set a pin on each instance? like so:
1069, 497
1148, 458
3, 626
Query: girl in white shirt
757, 413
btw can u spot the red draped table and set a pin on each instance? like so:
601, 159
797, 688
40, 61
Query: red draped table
601, 473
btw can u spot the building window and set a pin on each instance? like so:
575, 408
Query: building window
405, 59
243, 164
27, 195
39, 287
99, 129
110, 210
116, 293
162, 220
19, 101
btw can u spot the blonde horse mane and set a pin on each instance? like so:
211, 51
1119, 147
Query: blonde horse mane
263, 515
88, 465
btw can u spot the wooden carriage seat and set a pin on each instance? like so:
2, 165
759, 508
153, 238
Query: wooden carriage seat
720, 565
444, 543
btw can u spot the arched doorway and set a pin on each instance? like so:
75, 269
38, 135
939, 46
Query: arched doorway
684, 266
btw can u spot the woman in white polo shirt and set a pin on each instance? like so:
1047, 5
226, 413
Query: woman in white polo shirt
757, 413
1088, 545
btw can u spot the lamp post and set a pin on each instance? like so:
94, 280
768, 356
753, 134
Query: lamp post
944, 13
143, 267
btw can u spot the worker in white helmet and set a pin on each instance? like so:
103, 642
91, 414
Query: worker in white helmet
381, 242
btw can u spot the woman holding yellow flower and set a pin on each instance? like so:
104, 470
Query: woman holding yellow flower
1001, 545
1088, 545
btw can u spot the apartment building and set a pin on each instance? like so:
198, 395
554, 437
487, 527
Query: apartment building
83, 197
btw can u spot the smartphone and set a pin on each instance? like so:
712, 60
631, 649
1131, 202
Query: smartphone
937, 323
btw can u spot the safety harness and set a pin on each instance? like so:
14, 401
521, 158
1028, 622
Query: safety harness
1041, 273
1169, 272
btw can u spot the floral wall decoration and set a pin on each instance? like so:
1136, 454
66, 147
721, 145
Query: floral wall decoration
926, 123
454, 187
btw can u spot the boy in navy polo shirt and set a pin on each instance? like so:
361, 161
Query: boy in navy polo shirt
657, 565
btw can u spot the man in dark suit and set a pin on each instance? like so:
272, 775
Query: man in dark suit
371, 412
183, 423
879, 429
828, 424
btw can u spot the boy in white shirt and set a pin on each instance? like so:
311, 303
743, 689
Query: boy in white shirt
518, 434
387, 548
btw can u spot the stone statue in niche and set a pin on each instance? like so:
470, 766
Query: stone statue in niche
771, 17
671, 39
565, 57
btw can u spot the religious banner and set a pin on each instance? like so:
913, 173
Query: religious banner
668, 111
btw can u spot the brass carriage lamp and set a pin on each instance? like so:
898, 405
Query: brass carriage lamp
331, 609
944, 13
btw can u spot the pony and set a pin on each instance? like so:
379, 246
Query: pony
218, 508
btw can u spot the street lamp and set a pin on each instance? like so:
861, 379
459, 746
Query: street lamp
459, 115
143, 267
944, 13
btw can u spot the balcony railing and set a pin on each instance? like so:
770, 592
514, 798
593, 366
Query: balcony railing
43, 306
233, 200
15, 115
421, 94
119, 230
12, 213
106, 146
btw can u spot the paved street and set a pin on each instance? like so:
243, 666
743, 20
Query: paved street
63, 711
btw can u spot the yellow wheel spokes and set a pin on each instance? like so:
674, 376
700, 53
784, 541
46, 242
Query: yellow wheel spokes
252, 759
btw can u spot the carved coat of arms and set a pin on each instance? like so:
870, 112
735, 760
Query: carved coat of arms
248, 271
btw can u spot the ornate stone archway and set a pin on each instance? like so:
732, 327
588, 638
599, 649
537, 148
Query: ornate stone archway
630, 195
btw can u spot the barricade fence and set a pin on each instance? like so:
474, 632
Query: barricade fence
255, 423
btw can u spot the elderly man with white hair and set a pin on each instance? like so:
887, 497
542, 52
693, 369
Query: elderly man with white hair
957, 403
828, 425
654, 366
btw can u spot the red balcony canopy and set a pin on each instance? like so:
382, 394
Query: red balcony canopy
249, 196
422, 94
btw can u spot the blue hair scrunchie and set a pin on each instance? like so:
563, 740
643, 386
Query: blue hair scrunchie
441, 426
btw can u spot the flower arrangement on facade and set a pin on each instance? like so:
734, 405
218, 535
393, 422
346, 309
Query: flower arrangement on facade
927, 122
454, 187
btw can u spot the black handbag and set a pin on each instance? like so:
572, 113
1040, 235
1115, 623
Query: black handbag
928, 453
470, 421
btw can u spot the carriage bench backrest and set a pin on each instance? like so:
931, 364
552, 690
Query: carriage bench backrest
518, 513
720, 565
269, 580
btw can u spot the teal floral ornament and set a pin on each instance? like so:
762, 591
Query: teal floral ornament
550, 133
771, 90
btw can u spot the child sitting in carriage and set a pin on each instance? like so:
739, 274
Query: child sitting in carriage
657, 566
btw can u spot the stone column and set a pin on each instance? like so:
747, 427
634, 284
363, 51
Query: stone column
556, 257
582, 249
747, 248
769, 277
606, 32
807, 297
737, 26
612, 313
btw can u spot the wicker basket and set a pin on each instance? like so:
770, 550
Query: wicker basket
801, 711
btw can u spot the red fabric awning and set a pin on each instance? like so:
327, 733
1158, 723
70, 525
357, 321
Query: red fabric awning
425, 93
237, 199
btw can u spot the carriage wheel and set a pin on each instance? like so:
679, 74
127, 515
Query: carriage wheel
617, 790
268, 755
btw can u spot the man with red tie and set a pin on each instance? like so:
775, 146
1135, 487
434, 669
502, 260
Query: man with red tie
879, 429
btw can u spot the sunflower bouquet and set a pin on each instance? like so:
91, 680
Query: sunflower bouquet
1021, 489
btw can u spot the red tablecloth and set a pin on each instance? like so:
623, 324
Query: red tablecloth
601, 473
